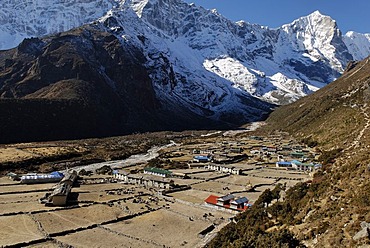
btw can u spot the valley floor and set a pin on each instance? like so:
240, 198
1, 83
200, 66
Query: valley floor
106, 212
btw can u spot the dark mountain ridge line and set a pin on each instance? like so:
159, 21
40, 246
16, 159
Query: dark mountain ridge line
80, 84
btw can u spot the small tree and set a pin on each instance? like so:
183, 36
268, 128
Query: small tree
265, 198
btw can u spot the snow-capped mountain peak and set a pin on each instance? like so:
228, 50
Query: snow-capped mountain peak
358, 44
317, 15
317, 36
209, 64
137, 5
36, 18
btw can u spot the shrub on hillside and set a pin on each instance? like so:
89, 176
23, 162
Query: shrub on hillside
328, 157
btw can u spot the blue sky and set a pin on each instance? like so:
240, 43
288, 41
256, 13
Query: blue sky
350, 14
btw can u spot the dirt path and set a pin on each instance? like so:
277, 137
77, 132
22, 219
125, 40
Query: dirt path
356, 142
251, 127
355, 72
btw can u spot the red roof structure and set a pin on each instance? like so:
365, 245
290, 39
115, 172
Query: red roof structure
212, 199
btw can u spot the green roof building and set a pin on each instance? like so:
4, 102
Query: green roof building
157, 172
297, 154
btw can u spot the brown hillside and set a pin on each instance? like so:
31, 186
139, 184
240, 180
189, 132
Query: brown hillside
333, 210
337, 117
333, 116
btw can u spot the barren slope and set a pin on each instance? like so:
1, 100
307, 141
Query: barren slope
332, 210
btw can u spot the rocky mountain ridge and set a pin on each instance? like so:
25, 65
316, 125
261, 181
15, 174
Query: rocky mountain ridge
274, 65
196, 67
37, 18
82, 83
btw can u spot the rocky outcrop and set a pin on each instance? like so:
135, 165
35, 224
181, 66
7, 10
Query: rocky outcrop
364, 233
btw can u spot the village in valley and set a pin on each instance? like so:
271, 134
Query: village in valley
179, 197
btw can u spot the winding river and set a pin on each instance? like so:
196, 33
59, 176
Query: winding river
134, 159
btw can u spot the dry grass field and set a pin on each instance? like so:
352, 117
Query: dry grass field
99, 197
191, 195
99, 237
185, 158
181, 181
22, 207
284, 174
25, 197
25, 187
18, 228
206, 175
164, 228
185, 171
101, 187
218, 187
198, 213
245, 180
57, 221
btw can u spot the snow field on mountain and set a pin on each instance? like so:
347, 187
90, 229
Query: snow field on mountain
197, 57
358, 44
30, 18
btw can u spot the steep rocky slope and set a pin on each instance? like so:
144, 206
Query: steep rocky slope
82, 83
337, 118
332, 210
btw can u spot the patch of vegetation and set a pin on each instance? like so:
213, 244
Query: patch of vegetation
285, 212
35, 163
167, 164
361, 198
319, 184
252, 227
328, 157
309, 141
